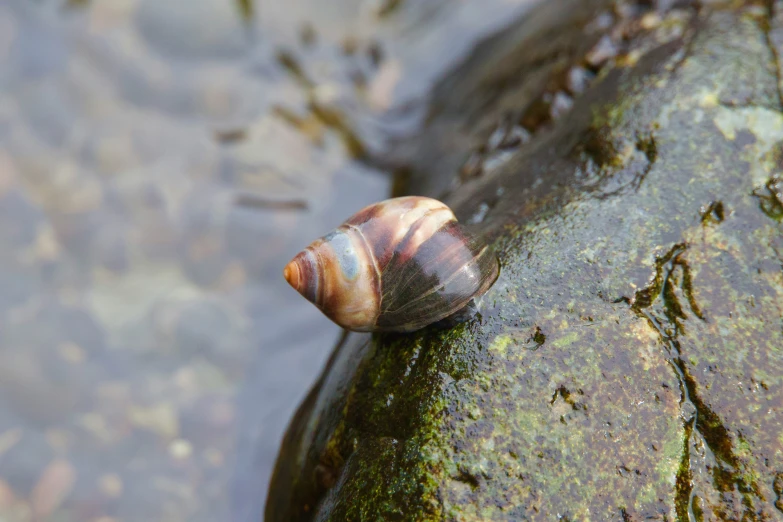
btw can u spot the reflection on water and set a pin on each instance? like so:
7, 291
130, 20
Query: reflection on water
158, 167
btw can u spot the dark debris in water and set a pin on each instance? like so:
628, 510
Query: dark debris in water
246, 8
258, 201
713, 213
771, 198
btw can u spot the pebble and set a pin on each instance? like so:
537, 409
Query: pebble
111, 485
180, 449
54, 486
561, 104
578, 80
602, 52
7, 496
160, 419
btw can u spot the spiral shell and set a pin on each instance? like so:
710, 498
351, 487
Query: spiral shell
397, 265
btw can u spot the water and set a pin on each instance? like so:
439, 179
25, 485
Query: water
160, 162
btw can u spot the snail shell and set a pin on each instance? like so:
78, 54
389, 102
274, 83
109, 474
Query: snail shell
397, 265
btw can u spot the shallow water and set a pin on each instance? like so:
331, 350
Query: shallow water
159, 164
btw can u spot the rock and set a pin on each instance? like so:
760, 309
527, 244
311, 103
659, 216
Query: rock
628, 363
505, 74
52, 488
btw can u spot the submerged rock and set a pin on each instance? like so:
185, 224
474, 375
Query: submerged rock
628, 363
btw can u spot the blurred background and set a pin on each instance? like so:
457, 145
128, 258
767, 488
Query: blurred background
160, 162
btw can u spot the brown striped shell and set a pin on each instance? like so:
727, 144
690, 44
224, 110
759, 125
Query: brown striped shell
397, 265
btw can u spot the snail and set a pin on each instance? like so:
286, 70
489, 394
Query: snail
394, 266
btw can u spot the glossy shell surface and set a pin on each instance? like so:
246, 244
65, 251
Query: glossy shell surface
397, 265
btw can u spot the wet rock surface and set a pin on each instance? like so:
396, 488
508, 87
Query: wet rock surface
627, 364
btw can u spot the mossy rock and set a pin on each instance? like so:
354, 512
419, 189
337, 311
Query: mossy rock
628, 363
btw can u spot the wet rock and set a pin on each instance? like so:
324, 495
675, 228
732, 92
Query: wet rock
509, 73
626, 365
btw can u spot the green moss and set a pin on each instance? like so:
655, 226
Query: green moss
566, 340
500, 344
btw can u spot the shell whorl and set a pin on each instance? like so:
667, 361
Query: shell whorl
337, 274
396, 265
